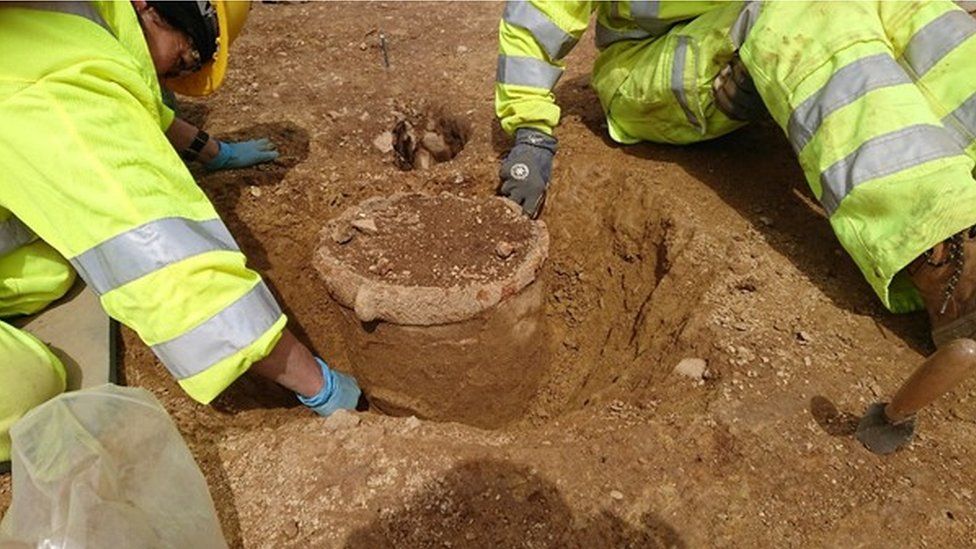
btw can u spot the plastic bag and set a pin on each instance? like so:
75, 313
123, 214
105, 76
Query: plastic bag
106, 467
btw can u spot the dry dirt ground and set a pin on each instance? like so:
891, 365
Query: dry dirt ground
658, 253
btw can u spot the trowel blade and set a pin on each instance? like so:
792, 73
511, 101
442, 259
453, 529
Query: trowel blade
881, 436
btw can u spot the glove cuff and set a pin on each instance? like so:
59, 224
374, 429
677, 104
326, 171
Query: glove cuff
535, 138
223, 155
328, 388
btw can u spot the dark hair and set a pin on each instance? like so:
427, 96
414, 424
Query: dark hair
195, 18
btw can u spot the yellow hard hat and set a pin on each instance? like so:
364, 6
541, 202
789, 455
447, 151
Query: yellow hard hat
231, 16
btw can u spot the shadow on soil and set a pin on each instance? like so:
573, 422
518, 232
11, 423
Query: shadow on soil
489, 503
833, 421
754, 171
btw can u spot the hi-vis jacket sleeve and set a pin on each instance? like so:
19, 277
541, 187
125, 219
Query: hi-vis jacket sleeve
533, 38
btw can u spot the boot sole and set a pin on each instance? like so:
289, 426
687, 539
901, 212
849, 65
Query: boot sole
964, 326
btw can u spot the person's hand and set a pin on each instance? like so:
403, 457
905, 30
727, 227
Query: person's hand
735, 93
340, 392
242, 154
526, 171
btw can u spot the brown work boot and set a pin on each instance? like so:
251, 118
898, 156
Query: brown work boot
946, 278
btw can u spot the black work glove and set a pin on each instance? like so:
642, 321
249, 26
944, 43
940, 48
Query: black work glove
526, 171
735, 93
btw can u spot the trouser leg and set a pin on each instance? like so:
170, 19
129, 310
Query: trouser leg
869, 134
31, 277
666, 96
29, 375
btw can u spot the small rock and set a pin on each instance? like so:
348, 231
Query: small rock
382, 266
362, 46
616, 494
367, 225
410, 424
255, 191
436, 146
803, 337
364, 117
461, 50
504, 249
384, 142
334, 114
875, 388
423, 159
341, 419
290, 529
766, 221
343, 233
693, 368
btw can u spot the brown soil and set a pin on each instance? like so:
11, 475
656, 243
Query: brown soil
658, 253
439, 241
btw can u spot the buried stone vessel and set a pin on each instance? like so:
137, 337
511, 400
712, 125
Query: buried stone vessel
442, 309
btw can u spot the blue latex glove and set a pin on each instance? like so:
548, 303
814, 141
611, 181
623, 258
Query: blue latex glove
340, 392
526, 171
243, 154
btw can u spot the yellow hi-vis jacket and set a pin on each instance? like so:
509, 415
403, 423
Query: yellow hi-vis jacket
878, 99
87, 168
535, 36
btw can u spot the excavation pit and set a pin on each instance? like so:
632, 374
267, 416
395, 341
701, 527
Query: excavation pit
443, 312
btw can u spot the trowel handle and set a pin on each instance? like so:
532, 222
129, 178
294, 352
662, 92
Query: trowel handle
939, 373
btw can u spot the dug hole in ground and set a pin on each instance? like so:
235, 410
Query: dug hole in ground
657, 254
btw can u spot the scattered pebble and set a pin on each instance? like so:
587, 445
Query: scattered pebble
616, 494
381, 267
504, 249
461, 50
343, 233
410, 423
693, 368
803, 337
384, 142
255, 191
436, 146
290, 529
367, 225
341, 419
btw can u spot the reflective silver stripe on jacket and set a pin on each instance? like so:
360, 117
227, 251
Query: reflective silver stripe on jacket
231, 330
645, 14
961, 122
83, 9
884, 155
554, 40
844, 87
527, 71
678, 79
744, 22
14, 234
606, 36
936, 39
148, 248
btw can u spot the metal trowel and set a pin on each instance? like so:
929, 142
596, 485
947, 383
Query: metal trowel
887, 426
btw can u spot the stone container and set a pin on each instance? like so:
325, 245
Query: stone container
443, 309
